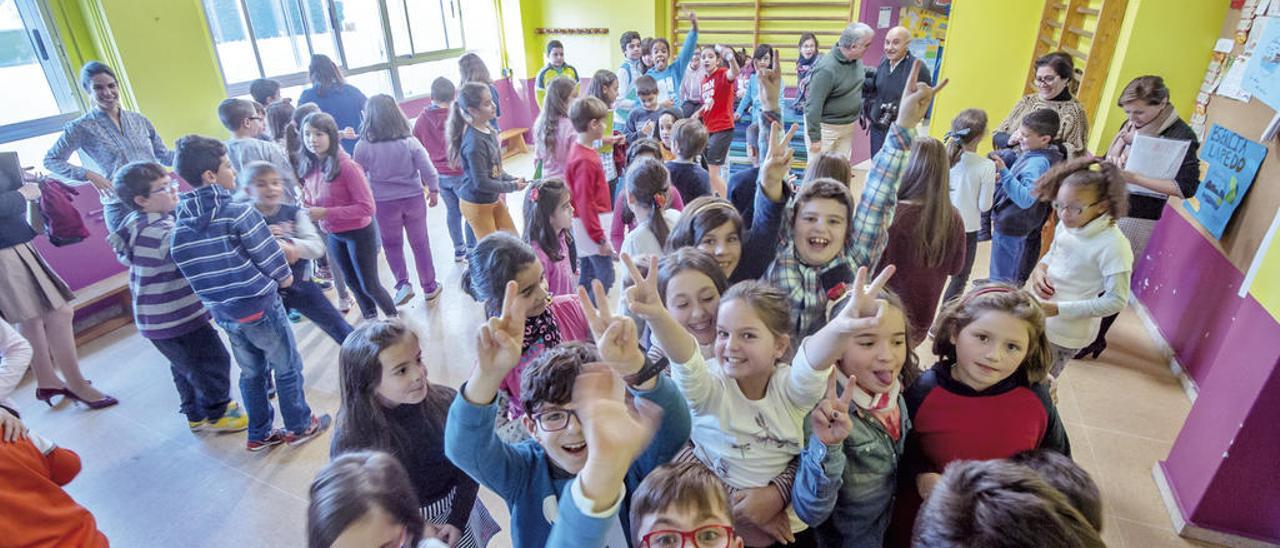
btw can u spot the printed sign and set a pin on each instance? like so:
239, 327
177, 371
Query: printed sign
1233, 163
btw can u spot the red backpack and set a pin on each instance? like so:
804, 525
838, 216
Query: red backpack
62, 221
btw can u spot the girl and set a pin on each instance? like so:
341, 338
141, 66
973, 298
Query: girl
399, 168
1085, 275
473, 146
548, 214
389, 404
667, 122
604, 86
690, 284
279, 114
553, 132
500, 258
471, 68
862, 432
748, 408
293, 147
669, 72
301, 243
338, 196
364, 499
830, 166
984, 399
621, 224
646, 55
691, 87
926, 240
804, 69
973, 186
648, 186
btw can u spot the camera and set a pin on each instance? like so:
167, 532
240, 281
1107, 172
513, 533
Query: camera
888, 113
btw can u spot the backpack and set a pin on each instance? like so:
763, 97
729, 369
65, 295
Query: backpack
62, 221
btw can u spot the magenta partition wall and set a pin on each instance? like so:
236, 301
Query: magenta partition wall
89, 261
1222, 470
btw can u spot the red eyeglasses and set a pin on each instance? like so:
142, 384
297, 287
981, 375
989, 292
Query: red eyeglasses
708, 536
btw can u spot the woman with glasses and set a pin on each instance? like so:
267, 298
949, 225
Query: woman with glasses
1055, 76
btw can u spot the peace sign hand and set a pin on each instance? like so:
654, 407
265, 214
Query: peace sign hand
863, 310
616, 336
830, 419
916, 97
642, 298
499, 341
778, 162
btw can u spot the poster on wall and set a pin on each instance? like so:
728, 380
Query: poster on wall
1233, 163
1262, 75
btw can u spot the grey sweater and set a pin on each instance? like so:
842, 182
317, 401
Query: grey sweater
835, 93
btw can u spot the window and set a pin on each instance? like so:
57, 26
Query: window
30, 53
384, 46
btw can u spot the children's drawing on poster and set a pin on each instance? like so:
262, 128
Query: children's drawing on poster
1233, 163
1262, 75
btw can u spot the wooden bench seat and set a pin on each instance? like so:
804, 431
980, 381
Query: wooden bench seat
114, 288
512, 142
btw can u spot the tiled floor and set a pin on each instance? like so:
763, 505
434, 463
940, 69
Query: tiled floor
150, 482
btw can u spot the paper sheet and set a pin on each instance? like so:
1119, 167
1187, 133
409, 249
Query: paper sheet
1232, 84
1155, 158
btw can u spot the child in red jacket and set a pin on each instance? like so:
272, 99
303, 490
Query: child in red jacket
592, 208
37, 512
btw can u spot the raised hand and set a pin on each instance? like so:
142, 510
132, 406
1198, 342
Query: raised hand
863, 310
916, 97
616, 336
642, 298
830, 419
617, 433
498, 348
777, 163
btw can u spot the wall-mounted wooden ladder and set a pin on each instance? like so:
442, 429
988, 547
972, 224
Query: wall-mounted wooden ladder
743, 24
1087, 30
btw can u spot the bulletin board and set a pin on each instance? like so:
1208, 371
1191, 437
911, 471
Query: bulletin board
1252, 220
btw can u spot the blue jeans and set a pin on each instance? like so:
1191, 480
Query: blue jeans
261, 347
453, 218
595, 267
1006, 256
201, 371
307, 298
356, 252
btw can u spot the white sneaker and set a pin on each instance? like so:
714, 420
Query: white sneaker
404, 294
435, 294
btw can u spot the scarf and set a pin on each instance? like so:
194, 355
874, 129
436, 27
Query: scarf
1119, 151
882, 407
541, 328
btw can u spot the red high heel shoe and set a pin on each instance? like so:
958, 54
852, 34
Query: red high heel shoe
47, 394
105, 402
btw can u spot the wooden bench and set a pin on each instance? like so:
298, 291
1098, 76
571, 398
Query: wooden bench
115, 288
512, 142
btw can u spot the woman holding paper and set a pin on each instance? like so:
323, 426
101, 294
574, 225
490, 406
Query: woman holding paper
1146, 102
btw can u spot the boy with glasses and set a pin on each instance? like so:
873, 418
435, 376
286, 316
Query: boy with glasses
246, 120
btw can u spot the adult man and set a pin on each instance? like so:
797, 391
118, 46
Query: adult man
885, 91
835, 93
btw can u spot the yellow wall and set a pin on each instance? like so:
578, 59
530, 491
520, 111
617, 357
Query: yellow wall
588, 53
1174, 44
989, 46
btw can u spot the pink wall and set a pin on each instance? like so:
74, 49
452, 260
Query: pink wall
83, 263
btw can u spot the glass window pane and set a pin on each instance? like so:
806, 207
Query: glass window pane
231, 39
31, 151
427, 26
453, 22
415, 80
317, 18
360, 22
277, 25
19, 62
399, 28
372, 83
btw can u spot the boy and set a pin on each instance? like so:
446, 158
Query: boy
688, 138
631, 69
265, 91
674, 502
530, 476
717, 110
429, 129
1016, 214
235, 266
246, 122
592, 208
168, 313
998, 503
554, 68
643, 122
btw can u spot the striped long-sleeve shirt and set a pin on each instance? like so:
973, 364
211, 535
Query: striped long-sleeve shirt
164, 306
227, 254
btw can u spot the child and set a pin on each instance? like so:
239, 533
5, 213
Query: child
530, 475
749, 407
1016, 215
233, 264
666, 133
667, 73
591, 205
998, 503
167, 312
37, 510
690, 284
646, 54
604, 86
804, 69
301, 243
973, 186
365, 499
620, 225
555, 68
647, 187
398, 170
246, 122
691, 87
429, 128
717, 111
278, 116
1085, 275
768, 78
1063, 474
471, 68
548, 213
15, 359
500, 259
828, 165
849, 471
688, 140
984, 399
339, 198
642, 122
389, 404
632, 67
326, 271
265, 92
553, 132
473, 148
926, 239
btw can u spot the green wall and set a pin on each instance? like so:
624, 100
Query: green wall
588, 53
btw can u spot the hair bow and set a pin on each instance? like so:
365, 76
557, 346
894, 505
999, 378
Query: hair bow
533, 191
660, 199
960, 133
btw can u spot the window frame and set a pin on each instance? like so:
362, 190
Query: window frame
47, 45
391, 65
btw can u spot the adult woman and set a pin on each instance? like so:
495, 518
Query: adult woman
108, 135
1054, 73
1146, 102
35, 298
335, 97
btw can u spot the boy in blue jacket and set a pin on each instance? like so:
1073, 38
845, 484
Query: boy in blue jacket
531, 475
228, 255
1017, 215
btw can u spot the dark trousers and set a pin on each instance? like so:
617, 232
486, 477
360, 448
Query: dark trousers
877, 138
307, 298
1030, 256
201, 368
595, 267
356, 252
958, 282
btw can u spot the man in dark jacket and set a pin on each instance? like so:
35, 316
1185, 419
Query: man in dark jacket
885, 91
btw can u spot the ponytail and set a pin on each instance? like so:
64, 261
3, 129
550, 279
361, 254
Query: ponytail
469, 95
1107, 183
967, 127
648, 182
